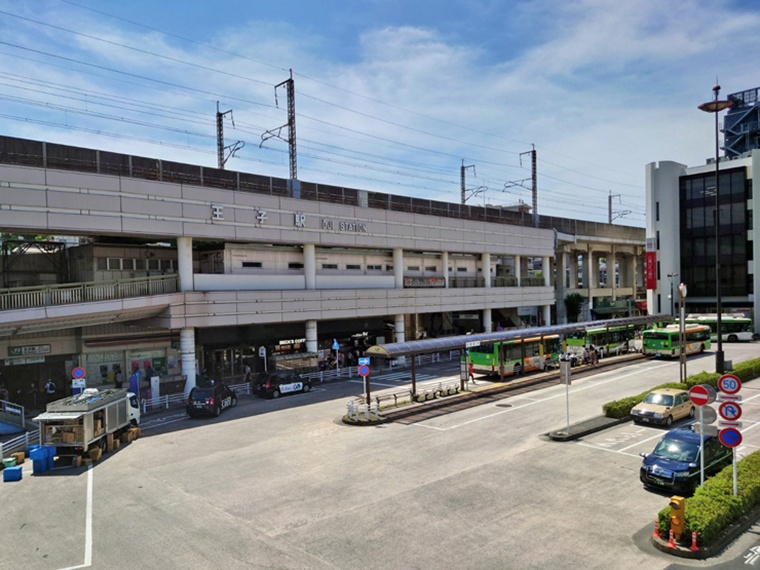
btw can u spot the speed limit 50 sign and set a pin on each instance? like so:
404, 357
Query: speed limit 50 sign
729, 384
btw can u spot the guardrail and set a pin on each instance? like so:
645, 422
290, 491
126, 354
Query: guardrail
21, 442
69, 293
11, 413
179, 400
355, 406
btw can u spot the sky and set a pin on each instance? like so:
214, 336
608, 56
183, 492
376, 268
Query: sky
391, 96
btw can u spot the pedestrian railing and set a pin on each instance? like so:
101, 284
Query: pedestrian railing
362, 412
11, 413
18, 443
69, 293
179, 400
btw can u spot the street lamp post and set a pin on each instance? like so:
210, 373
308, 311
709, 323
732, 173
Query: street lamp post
670, 276
716, 106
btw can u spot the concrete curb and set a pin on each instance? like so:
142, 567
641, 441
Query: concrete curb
587, 427
728, 536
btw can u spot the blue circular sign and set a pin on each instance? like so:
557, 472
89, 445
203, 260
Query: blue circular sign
78, 373
730, 437
364, 370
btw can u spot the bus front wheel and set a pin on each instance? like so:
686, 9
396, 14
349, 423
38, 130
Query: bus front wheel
701, 348
732, 338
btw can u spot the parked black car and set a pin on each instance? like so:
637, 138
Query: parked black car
210, 400
674, 463
278, 383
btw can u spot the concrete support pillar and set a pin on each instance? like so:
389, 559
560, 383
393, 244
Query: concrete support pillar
586, 269
573, 267
593, 277
547, 314
611, 270
311, 336
445, 268
310, 265
487, 326
518, 269
398, 267
486, 269
399, 328
185, 263
187, 357
561, 289
546, 269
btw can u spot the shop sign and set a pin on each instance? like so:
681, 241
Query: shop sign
30, 360
424, 282
467, 316
292, 341
32, 349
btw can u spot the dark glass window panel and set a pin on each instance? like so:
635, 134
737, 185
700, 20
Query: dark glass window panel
725, 246
725, 184
738, 185
689, 219
710, 247
698, 218
699, 247
703, 187
725, 214
709, 216
737, 212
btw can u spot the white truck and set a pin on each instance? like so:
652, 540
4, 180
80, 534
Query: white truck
82, 422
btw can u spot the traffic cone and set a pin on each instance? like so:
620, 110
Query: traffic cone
656, 532
694, 546
671, 542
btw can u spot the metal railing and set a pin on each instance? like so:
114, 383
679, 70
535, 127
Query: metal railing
17, 443
179, 399
11, 413
69, 293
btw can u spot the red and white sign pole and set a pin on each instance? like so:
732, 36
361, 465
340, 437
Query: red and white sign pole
731, 411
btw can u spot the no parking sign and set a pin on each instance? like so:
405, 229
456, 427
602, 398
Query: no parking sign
364, 370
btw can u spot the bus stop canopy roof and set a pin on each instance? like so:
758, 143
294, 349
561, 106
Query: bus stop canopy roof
398, 349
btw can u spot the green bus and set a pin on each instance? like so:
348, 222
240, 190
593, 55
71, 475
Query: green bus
615, 340
518, 355
732, 328
666, 341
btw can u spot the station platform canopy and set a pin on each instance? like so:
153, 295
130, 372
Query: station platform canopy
399, 349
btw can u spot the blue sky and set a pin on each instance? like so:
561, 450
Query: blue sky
390, 95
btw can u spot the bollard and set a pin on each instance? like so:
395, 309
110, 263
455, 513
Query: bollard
656, 532
366, 411
694, 546
167, 401
671, 542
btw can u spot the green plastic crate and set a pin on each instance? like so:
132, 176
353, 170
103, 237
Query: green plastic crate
9, 462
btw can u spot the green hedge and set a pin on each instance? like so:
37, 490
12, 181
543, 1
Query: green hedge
713, 508
747, 370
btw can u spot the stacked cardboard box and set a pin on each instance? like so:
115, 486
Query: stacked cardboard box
19, 457
68, 437
109, 443
95, 454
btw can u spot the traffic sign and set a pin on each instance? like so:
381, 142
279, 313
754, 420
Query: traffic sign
364, 360
78, 372
364, 370
472, 344
335, 345
735, 398
702, 395
707, 430
730, 437
730, 411
709, 415
729, 384
262, 352
736, 425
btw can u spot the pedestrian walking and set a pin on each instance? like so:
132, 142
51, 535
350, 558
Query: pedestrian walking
119, 382
246, 373
471, 373
50, 389
586, 356
594, 356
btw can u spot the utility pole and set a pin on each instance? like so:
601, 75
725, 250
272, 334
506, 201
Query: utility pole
220, 148
462, 171
291, 124
534, 180
619, 214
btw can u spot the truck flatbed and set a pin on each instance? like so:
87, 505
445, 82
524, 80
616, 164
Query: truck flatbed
86, 401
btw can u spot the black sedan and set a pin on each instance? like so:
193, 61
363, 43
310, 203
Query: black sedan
279, 383
210, 400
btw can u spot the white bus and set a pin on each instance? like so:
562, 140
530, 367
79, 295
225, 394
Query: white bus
733, 328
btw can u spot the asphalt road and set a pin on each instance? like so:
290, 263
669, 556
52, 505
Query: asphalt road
284, 484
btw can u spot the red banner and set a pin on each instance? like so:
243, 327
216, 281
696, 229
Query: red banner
651, 270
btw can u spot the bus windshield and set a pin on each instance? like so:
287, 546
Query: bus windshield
656, 336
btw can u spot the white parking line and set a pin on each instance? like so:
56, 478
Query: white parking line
592, 446
88, 526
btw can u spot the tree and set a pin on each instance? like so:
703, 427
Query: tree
573, 304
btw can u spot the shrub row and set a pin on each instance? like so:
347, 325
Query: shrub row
713, 508
747, 370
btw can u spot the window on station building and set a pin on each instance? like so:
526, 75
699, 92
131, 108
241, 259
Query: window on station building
413, 268
153, 264
166, 264
353, 266
140, 264
252, 264
114, 264
461, 270
431, 268
329, 266
389, 268
657, 211
294, 265
374, 267
127, 264
102, 264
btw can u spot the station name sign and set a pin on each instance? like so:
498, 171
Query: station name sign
343, 226
25, 350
